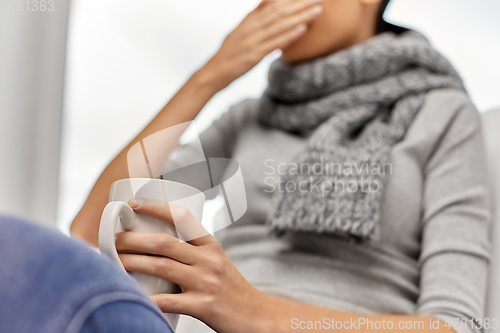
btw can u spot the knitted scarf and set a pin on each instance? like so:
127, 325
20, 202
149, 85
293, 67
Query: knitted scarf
354, 106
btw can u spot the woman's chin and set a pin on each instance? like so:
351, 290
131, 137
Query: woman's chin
304, 50
294, 55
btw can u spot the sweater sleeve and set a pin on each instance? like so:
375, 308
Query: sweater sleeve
190, 163
218, 140
455, 253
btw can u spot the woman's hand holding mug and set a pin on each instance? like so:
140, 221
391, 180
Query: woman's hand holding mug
212, 288
274, 24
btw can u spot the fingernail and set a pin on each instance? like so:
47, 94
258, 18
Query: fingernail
301, 28
315, 11
135, 203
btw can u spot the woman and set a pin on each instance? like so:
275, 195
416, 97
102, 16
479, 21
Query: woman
377, 109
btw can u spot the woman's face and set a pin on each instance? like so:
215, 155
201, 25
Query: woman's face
342, 23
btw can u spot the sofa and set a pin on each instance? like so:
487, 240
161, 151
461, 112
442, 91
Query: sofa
491, 126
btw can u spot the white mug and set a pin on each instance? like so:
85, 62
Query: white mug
119, 217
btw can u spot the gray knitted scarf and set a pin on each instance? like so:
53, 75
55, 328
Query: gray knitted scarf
353, 105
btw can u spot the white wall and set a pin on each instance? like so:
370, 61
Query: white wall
32, 58
127, 57
467, 32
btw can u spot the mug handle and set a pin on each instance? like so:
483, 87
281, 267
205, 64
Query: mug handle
114, 212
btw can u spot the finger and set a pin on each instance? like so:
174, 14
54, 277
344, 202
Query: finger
266, 11
281, 9
160, 267
281, 26
269, 6
258, 9
185, 222
283, 40
156, 243
264, 3
184, 303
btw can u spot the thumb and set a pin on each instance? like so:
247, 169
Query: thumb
175, 303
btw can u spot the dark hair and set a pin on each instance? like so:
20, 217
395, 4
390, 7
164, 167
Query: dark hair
382, 25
